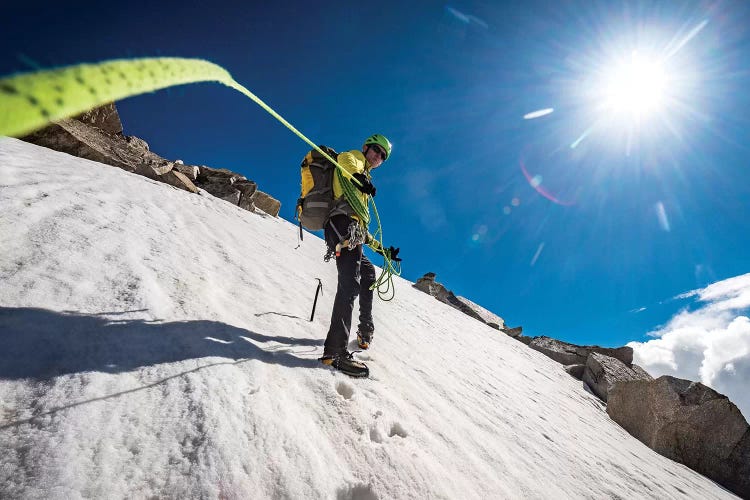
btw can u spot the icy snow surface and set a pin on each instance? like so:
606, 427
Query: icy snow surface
155, 343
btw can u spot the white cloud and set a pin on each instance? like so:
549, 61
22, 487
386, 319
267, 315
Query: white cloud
710, 344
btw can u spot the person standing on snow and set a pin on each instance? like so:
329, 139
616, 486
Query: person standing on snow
345, 235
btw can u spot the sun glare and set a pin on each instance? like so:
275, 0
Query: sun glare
635, 87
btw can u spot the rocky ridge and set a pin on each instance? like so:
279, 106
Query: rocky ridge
98, 135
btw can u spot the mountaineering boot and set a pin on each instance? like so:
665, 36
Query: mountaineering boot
364, 338
346, 363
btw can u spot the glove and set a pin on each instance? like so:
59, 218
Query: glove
391, 253
366, 186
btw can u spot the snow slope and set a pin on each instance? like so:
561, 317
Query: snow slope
157, 344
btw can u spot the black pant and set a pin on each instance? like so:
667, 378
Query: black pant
355, 276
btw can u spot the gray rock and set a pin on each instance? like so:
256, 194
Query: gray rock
428, 285
575, 371
247, 191
105, 118
189, 171
236, 189
486, 316
462, 306
178, 180
217, 175
689, 423
512, 332
267, 203
602, 372
641, 374
571, 354
524, 339
225, 192
137, 142
246, 187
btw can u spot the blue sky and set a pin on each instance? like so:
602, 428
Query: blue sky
643, 213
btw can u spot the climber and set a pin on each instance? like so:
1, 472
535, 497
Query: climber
345, 233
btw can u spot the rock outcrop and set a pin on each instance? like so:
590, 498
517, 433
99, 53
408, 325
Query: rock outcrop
689, 423
86, 141
428, 285
97, 135
236, 189
602, 372
571, 354
105, 118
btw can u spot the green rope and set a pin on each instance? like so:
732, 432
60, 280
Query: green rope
352, 197
390, 268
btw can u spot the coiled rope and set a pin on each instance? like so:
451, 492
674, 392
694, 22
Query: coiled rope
390, 267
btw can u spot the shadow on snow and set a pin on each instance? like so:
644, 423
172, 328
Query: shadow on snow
41, 344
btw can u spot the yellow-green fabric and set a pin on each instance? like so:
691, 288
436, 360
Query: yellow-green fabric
353, 162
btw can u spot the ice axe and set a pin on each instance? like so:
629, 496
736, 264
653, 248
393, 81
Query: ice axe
315, 302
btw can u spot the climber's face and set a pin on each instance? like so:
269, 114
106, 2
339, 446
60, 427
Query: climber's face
374, 155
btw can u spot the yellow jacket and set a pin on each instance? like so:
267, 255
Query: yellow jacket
353, 162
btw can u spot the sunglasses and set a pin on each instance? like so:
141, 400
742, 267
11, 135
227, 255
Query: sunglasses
378, 150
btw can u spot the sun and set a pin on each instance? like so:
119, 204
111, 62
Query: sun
634, 87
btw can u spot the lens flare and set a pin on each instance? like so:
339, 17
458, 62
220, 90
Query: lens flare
536, 183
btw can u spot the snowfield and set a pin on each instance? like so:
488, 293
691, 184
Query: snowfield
157, 344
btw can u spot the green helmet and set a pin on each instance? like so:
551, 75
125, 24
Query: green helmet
381, 141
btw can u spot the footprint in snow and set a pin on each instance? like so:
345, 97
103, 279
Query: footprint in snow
345, 389
356, 492
397, 430
376, 435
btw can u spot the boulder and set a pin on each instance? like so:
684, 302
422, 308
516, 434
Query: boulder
179, 180
571, 354
267, 203
208, 175
602, 372
223, 191
689, 423
189, 171
246, 187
